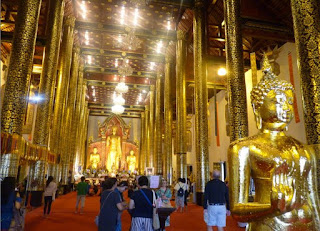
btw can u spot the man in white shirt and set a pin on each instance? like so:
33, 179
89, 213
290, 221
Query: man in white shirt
180, 189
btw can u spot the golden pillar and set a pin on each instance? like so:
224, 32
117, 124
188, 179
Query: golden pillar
63, 80
147, 136
18, 78
67, 128
49, 72
47, 82
201, 98
142, 158
151, 127
181, 153
20, 66
238, 119
168, 120
158, 130
306, 21
80, 90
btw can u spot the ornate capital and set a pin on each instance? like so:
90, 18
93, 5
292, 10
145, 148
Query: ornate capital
70, 21
181, 35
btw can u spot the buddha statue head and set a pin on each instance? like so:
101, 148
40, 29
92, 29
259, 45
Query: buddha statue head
131, 153
95, 150
272, 100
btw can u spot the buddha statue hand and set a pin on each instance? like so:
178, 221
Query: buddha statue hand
282, 191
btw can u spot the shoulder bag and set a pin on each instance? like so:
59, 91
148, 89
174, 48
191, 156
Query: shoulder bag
155, 217
96, 220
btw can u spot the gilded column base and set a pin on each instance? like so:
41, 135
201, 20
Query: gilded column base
9, 165
38, 176
65, 173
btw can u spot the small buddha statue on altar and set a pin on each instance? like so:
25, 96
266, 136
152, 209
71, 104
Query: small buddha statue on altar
131, 161
94, 159
282, 168
114, 151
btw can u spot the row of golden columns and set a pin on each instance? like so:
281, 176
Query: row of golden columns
70, 113
62, 114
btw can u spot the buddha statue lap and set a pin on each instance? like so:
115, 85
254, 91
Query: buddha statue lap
282, 168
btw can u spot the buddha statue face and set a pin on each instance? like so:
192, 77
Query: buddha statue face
95, 150
277, 107
272, 101
131, 153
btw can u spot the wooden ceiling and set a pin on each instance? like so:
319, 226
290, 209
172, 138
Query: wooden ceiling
101, 24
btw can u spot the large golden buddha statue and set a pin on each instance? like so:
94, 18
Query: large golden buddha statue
282, 168
94, 159
131, 161
114, 151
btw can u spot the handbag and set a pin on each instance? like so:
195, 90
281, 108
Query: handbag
96, 219
155, 216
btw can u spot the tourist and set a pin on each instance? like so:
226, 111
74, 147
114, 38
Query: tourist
122, 186
110, 206
180, 189
82, 189
49, 195
7, 202
186, 194
165, 194
141, 204
216, 198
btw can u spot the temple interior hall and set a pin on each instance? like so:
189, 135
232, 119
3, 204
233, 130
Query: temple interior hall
174, 90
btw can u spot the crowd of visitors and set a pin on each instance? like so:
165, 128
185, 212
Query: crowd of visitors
141, 205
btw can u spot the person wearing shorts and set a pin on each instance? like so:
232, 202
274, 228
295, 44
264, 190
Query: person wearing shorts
216, 203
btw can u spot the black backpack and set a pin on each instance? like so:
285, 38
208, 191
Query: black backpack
180, 192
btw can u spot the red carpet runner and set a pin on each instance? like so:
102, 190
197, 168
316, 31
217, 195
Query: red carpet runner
62, 217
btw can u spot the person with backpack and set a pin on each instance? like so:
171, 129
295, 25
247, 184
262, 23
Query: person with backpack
180, 189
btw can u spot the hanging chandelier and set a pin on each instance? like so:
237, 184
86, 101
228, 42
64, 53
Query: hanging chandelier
117, 109
130, 41
125, 69
118, 100
121, 88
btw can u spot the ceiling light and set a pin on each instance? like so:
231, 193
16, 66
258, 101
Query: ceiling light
159, 46
116, 63
152, 64
122, 15
115, 78
119, 100
117, 109
121, 88
93, 93
168, 25
222, 71
89, 59
125, 69
144, 91
136, 15
130, 41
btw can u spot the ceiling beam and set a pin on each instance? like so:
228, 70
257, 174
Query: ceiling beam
114, 84
159, 58
119, 29
123, 115
114, 71
177, 3
128, 108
